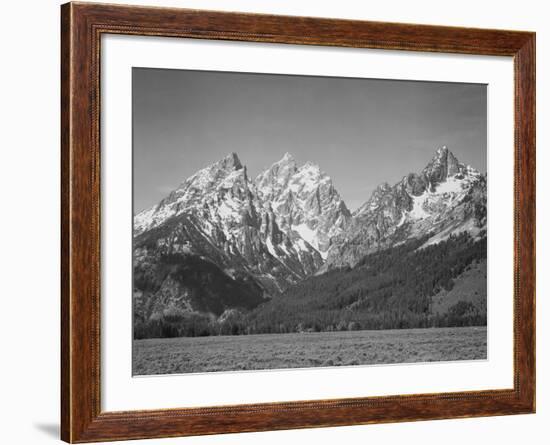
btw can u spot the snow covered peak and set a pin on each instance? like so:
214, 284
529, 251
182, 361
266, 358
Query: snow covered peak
230, 162
312, 167
442, 154
307, 179
442, 165
422, 201
304, 201
275, 179
286, 162
207, 178
226, 174
375, 199
287, 157
310, 171
446, 197
219, 214
382, 187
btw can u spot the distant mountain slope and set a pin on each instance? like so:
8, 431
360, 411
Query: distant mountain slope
393, 288
227, 248
190, 283
469, 291
446, 197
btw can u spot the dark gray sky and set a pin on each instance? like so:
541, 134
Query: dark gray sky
360, 131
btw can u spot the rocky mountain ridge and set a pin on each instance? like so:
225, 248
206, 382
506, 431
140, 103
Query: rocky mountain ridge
303, 200
272, 231
255, 238
446, 197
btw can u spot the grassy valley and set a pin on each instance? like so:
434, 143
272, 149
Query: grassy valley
249, 352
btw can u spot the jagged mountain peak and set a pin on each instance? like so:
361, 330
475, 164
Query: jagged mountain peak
286, 170
230, 162
445, 197
311, 166
197, 191
442, 165
443, 155
309, 174
287, 157
264, 235
213, 173
382, 187
275, 179
304, 201
374, 201
443, 168
219, 214
286, 163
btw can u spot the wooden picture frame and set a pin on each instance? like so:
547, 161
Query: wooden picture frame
82, 25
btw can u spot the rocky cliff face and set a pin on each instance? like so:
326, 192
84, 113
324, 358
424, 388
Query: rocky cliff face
304, 202
272, 232
445, 197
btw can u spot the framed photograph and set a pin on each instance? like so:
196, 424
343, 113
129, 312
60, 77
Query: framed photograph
274, 222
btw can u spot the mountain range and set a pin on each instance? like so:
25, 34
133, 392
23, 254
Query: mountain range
222, 241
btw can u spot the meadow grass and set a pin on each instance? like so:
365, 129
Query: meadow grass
304, 350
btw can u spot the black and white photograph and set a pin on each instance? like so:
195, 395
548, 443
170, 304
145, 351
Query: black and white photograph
290, 221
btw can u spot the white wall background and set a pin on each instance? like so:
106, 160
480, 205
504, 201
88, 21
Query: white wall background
29, 219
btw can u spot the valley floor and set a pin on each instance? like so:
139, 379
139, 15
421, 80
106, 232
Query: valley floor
320, 349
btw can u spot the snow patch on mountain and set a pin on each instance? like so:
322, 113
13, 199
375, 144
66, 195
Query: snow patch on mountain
466, 226
303, 200
308, 235
417, 211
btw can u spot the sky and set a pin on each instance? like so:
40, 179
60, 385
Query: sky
361, 132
